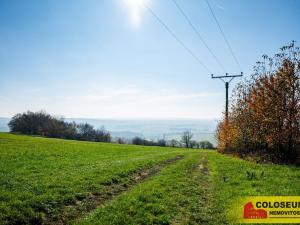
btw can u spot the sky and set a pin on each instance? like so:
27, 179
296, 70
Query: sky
113, 59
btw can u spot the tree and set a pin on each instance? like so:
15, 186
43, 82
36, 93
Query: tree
174, 143
43, 124
120, 141
86, 131
137, 141
264, 118
186, 138
102, 135
193, 144
70, 131
162, 143
206, 145
32, 123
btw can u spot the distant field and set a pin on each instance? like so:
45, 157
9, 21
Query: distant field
50, 181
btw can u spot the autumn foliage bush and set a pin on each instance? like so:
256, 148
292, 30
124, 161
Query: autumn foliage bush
264, 118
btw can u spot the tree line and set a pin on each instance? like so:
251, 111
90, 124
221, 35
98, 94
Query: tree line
43, 124
186, 141
264, 118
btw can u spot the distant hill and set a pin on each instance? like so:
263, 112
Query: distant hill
156, 129
150, 129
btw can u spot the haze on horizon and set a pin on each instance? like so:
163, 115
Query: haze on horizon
112, 59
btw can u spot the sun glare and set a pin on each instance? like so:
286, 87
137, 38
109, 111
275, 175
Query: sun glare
135, 7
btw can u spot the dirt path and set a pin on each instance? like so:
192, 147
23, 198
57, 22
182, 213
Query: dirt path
110, 190
198, 210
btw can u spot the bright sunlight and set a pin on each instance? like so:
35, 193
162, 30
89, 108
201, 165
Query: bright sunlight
135, 7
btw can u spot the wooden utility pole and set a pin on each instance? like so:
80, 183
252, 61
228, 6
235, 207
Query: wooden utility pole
225, 80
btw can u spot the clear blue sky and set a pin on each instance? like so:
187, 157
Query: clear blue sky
107, 59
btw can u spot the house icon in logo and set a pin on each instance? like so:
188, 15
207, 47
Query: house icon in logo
251, 213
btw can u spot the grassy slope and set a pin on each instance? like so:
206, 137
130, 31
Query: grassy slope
230, 181
188, 193
42, 174
173, 195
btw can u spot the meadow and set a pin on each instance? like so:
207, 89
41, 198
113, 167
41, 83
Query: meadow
52, 181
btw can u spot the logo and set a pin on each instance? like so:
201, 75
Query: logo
266, 209
251, 213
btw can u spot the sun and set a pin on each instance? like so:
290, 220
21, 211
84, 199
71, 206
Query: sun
136, 8
135, 3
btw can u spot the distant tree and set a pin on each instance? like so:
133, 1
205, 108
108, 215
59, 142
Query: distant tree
162, 143
206, 145
186, 138
30, 123
174, 143
102, 135
43, 124
142, 141
137, 141
70, 130
193, 144
120, 141
86, 131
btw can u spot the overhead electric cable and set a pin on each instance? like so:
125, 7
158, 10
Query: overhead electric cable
198, 34
223, 35
176, 38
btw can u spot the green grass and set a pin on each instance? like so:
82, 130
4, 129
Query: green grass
39, 176
54, 181
230, 181
185, 193
173, 195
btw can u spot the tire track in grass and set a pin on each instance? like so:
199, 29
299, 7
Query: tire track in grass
179, 194
198, 210
110, 190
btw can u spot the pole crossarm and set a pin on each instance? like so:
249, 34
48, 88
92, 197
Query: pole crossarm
231, 77
227, 76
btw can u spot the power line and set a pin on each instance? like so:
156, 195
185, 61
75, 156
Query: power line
176, 38
223, 34
198, 34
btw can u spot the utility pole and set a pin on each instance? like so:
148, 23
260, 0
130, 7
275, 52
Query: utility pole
225, 80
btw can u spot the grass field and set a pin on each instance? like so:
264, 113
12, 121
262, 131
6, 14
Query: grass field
50, 181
